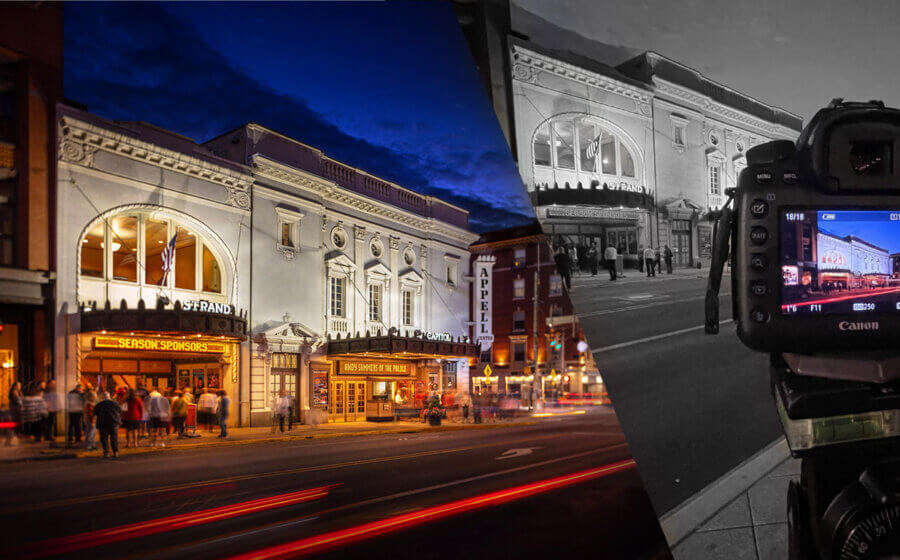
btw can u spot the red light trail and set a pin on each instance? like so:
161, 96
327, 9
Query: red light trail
115, 534
860, 296
343, 537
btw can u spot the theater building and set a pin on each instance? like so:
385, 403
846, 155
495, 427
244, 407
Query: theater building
254, 264
510, 325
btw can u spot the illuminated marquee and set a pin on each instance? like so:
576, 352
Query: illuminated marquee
374, 368
146, 344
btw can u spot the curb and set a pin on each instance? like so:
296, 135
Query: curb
41, 457
682, 520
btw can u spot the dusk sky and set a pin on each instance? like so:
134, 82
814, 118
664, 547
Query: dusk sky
389, 88
877, 230
796, 55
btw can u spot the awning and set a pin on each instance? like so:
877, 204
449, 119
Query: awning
176, 320
397, 346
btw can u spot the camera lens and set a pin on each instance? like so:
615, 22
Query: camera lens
870, 157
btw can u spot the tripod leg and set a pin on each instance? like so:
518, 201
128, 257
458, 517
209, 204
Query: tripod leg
800, 543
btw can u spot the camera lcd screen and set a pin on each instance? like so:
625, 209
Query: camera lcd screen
840, 261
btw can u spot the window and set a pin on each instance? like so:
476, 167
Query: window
555, 310
518, 352
715, 185
519, 257
336, 296
408, 310
542, 146
111, 250
608, 154
451, 269
679, 132
556, 286
627, 164
588, 146
565, 144
584, 144
375, 300
519, 288
518, 320
486, 355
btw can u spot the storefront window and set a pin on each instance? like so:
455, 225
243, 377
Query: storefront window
155, 242
124, 237
542, 146
185, 260
92, 252
565, 144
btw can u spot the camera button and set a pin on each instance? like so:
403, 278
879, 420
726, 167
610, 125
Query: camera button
790, 178
763, 176
759, 208
758, 235
758, 262
759, 288
759, 315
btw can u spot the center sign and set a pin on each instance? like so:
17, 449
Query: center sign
157, 344
358, 367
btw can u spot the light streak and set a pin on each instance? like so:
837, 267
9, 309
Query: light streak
141, 529
343, 537
859, 295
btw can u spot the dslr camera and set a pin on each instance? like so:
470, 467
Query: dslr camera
814, 247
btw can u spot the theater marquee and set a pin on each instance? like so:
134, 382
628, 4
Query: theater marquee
149, 344
353, 367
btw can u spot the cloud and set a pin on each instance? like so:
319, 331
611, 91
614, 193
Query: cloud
137, 61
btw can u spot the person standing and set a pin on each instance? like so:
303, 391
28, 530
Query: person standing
179, 413
15, 405
206, 409
593, 257
158, 412
51, 398
90, 433
668, 258
222, 406
134, 411
75, 406
610, 256
109, 417
282, 409
564, 266
34, 413
649, 257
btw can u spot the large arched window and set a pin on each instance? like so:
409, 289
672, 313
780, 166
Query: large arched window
583, 143
150, 250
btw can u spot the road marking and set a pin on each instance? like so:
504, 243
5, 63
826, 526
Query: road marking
637, 297
652, 338
517, 452
238, 478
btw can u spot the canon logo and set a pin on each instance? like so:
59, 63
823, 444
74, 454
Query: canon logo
858, 326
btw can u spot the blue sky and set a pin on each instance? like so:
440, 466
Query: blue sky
387, 87
872, 227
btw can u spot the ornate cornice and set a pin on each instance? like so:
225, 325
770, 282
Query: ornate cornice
331, 192
79, 141
527, 64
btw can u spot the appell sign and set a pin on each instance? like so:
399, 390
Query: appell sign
482, 302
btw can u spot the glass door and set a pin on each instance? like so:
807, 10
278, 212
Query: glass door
338, 402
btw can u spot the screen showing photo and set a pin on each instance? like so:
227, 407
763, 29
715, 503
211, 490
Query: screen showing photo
840, 261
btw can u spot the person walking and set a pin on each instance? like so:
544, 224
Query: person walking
158, 411
15, 406
668, 257
134, 411
222, 407
465, 401
564, 266
90, 432
610, 256
109, 418
649, 256
75, 407
51, 398
34, 413
658, 260
206, 409
593, 256
283, 408
179, 413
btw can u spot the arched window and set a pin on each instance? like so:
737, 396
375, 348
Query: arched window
583, 143
142, 249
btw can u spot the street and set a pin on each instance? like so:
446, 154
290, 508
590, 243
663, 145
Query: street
563, 485
692, 406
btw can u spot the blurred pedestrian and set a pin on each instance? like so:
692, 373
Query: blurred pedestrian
75, 407
90, 432
134, 411
668, 257
15, 406
51, 397
34, 413
593, 257
109, 418
222, 407
610, 256
158, 411
564, 266
465, 401
206, 409
649, 257
179, 413
282, 409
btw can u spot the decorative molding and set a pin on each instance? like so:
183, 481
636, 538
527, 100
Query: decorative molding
79, 141
359, 233
395, 243
528, 63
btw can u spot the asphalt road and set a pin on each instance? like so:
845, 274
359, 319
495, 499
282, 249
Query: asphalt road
692, 406
565, 485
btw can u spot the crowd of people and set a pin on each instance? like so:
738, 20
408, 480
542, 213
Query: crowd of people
571, 258
147, 416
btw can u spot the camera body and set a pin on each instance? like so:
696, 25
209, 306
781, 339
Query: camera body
816, 238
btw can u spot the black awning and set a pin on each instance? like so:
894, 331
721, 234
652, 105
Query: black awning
402, 346
163, 320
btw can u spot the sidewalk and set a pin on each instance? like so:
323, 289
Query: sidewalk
749, 526
240, 436
585, 279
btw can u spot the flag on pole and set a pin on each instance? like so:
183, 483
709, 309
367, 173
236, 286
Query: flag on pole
168, 257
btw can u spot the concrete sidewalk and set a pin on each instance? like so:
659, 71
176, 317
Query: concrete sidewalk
742, 516
26, 451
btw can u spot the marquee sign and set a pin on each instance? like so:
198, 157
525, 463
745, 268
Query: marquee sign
204, 306
483, 301
592, 212
158, 344
437, 336
354, 367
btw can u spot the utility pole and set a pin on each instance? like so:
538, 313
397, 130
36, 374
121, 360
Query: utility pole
536, 385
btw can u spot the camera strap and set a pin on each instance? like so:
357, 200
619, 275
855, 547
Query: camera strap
721, 246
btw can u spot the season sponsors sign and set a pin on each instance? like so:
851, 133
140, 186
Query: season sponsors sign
592, 212
483, 301
158, 344
353, 367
